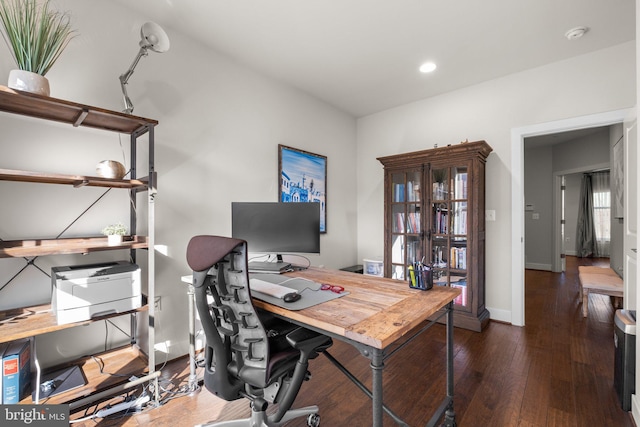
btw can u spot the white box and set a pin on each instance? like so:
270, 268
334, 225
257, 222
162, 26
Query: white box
86, 291
373, 267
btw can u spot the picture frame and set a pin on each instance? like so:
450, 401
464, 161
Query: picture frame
302, 178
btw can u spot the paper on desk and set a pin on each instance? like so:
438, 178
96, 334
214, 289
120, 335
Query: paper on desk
271, 289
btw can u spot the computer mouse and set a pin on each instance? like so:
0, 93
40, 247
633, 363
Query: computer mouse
292, 297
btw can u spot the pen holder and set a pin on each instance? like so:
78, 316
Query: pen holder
421, 279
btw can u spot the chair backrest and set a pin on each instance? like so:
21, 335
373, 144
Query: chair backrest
237, 347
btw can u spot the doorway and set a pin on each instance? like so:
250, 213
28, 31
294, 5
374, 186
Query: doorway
518, 136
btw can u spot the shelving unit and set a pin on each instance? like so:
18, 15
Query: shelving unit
32, 321
434, 216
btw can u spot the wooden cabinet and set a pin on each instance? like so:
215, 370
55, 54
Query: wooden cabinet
32, 321
434, 217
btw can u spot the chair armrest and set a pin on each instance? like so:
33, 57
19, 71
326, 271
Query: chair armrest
308, 342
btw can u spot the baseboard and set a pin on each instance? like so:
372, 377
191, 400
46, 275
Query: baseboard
499, 315
635, 408
535, 266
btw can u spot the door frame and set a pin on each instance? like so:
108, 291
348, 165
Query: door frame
517, 192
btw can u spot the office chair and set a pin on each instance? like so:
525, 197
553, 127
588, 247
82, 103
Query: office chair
248, 353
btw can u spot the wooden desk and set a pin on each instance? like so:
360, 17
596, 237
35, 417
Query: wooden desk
376, 313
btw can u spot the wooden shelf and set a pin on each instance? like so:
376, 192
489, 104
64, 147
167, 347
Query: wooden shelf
44, 107
119, 364
117, 367
78, 245
74, 180
37, 320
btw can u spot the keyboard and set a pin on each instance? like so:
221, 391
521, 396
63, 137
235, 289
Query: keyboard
268, 288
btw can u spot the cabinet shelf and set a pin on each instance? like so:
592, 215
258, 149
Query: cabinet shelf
59, 110
74, 180
37, 320
76, 245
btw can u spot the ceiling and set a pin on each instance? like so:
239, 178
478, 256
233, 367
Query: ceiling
362, 56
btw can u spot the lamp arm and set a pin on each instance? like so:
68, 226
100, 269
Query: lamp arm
124, 78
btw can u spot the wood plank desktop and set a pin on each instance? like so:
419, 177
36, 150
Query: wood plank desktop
377, 312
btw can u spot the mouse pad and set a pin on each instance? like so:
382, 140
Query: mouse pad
308, 290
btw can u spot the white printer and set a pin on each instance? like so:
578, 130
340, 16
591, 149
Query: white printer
81, 292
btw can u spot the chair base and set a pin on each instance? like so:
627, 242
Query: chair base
260, 419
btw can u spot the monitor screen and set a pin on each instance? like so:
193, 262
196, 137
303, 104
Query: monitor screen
276, 227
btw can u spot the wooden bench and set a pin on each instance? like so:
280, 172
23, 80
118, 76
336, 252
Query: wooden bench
599, 280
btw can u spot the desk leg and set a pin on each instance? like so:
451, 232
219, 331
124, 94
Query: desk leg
377, 365
193, 378
450, 415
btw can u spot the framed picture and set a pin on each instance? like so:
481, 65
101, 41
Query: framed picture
303, 178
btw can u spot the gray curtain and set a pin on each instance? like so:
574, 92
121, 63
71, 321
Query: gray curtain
586, 235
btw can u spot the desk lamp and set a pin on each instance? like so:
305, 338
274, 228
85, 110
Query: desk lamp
153, 37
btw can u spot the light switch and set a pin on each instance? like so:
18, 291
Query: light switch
490, 215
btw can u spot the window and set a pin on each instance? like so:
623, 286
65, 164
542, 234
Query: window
602, 212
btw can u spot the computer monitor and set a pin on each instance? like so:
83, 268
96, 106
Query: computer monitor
277, 228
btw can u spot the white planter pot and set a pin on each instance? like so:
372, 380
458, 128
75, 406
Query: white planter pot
114, 240
28, 82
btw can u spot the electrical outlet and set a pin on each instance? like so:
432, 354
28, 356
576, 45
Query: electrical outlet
157, 304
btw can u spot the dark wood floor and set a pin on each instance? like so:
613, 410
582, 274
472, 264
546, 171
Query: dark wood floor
555, 371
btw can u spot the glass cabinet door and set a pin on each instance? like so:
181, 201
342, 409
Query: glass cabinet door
448, 225
406, 229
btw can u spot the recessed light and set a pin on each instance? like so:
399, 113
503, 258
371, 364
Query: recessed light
575, 33
427, 67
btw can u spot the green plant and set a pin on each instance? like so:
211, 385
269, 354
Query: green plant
115, 229
35, 35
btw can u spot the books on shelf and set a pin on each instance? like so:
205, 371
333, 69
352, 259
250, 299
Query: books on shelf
16, 371
441, 220
398, 193
411, 194
460, 186
462, 298
412, 225
460, 219
458, 258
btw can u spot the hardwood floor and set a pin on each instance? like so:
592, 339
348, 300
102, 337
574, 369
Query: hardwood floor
555, 371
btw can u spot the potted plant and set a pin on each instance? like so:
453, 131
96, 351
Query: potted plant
36, 36
114, 233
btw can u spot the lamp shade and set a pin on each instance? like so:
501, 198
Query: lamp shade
153, 37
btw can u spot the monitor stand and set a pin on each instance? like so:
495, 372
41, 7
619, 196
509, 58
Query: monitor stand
270, 267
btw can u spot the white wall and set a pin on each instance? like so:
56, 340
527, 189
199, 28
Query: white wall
538, 192
598, 82
220, 124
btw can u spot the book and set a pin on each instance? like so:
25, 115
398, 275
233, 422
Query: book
3, 348
16, 371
